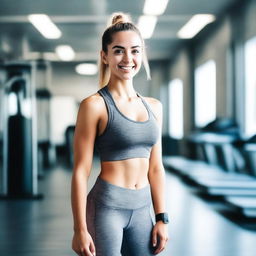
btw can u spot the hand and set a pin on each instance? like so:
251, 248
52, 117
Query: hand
83, 244
160, 233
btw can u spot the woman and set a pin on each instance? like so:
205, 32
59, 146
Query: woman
126, 129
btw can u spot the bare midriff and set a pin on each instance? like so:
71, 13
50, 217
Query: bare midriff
129, 173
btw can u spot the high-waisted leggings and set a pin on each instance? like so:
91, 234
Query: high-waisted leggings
120, 220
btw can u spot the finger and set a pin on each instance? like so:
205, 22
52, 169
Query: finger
161, 245
162, 249
154, 239
87, 252
92, 249
83, 253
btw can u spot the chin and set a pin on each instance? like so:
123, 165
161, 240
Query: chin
128, 77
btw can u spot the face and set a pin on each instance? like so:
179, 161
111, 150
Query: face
124, 56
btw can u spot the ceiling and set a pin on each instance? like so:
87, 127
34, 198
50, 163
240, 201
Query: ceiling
83, 21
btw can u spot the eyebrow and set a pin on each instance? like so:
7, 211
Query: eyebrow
119, 46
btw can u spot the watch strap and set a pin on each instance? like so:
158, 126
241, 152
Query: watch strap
163, 217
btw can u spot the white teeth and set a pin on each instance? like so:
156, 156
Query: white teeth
126, 68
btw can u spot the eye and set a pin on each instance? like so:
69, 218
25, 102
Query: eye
135, 51
118, 51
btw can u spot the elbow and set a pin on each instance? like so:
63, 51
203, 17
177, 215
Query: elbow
79, 177
156, 172
159, 168
82, 169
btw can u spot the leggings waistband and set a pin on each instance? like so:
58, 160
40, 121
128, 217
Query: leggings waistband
119, 197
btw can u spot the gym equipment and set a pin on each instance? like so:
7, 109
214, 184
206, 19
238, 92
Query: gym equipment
244, 205
2, 78
20, 149
224, 173
44, 145
46, 154
69, 138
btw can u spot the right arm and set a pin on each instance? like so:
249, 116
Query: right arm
84, 137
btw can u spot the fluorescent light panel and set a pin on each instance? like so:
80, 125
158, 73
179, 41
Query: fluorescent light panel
65, 52
155, 7
194, 25
86, 69
45, 26
146, 25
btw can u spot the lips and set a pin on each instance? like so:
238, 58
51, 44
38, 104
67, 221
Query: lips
126, 67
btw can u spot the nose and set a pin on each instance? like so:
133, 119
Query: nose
127, 57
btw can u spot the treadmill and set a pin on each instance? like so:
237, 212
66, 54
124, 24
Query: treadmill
228, 181
246, 204
223, 170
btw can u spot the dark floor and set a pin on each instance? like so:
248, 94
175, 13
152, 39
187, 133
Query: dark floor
44, 227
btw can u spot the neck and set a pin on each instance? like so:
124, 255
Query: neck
122, 88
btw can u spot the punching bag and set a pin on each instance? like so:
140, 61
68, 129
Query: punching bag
20, 173
19, 146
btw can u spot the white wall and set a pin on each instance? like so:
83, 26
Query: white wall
216, 47
66, 82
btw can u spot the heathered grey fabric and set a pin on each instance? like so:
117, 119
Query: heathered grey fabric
119, 220
124, 138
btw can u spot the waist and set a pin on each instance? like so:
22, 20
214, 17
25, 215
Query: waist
126, 164
119, 197
119, 154
129, 173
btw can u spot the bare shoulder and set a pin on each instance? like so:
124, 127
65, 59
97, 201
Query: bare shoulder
92, 103
153, 101
155, 105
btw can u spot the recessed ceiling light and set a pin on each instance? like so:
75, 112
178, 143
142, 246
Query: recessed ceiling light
45, 26
65, 52
87, 69
146, 25
194, 25
155, 7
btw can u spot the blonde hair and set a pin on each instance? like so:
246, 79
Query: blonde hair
118, 22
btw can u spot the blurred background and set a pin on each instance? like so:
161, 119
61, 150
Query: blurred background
202, 56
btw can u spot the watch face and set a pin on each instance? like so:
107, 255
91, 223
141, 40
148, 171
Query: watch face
163, 217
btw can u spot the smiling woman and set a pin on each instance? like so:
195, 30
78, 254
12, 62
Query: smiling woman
121, 23
126, 130
123, 57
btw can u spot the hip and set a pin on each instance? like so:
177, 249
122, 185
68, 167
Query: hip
120, 197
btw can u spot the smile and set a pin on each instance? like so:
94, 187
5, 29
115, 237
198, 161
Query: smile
126, 67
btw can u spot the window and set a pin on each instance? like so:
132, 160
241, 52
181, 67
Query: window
176, 109
250, 87
205, 93
63, 113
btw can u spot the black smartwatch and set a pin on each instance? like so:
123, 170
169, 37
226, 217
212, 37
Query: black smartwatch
163, 217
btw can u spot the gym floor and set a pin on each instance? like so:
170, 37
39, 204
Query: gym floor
198, 227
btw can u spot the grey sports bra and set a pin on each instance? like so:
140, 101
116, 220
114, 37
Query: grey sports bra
125, 138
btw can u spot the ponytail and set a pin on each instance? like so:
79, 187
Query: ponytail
118, 22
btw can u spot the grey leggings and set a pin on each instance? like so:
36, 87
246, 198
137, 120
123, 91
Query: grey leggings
119, 220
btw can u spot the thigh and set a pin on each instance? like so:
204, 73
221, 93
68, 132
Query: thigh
137, 236
108, 225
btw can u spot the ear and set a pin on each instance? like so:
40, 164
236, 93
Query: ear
104, 57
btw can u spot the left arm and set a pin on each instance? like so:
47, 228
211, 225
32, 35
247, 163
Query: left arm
156, 177
156, 172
